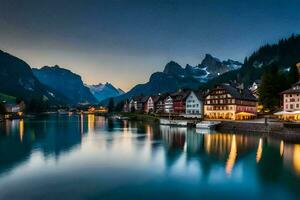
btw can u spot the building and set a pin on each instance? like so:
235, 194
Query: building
254, 88
291, 98
194, 105
126, 107
151, 104
168, 104
159, 103
230, 101
291, 103
179, 99
136, 104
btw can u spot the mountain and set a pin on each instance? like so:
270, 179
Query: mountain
209, 68
104, 91
283, 54
18, 80
66, 82
175, 77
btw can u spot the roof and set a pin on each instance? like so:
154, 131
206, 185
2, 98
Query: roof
198, 94
178, 96
137, 98
293, 90
163, 97
156, 98
242, 94
144, 99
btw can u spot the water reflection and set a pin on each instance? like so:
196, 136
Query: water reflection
176, 155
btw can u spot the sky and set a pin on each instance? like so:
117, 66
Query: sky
125, 41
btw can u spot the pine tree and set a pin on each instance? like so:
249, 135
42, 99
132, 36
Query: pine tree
111, 105
293, 75
2, 108
272, 83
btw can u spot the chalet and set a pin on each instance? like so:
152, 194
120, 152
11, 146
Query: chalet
291, 101
291, 98
159, 103
230, 101
168, 104
179, 99
136, 104
254, 88
151, 104
194, 104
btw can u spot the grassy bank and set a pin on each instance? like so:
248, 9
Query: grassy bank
140, 116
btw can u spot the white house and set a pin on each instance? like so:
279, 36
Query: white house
168, 105
194, 104
132, 105
149, 107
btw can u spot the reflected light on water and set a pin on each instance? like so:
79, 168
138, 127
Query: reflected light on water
91, 123
21, 129
259, 150
81, 124
232, 156
296, 158
208, 143
149, 131
281, 148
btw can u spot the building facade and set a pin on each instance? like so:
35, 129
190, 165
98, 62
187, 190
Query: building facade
168, 105
232, 102
291, 98
149, 105
194, 104
179, 100
136, 104
159, 104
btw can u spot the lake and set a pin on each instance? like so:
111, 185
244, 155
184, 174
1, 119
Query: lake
90, 157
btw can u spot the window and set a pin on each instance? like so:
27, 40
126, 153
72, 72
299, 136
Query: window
291, 106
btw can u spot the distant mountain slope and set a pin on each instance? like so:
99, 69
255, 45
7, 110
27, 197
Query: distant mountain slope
284, 54
66, 82
103, 91
18, 80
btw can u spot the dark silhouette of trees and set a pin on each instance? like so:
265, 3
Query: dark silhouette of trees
272, 83
111, 105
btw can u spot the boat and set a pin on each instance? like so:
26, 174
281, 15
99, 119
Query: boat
173, 122
204, 130
207, 125
62, 112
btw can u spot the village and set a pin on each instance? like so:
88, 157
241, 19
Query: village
224, 102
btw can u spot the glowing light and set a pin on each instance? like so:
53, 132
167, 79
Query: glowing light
259, 150
232, 156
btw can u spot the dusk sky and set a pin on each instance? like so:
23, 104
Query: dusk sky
124, 42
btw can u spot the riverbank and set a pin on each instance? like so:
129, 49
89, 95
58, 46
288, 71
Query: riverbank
279, 130
140, 117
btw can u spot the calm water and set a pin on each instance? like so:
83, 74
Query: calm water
88, 157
